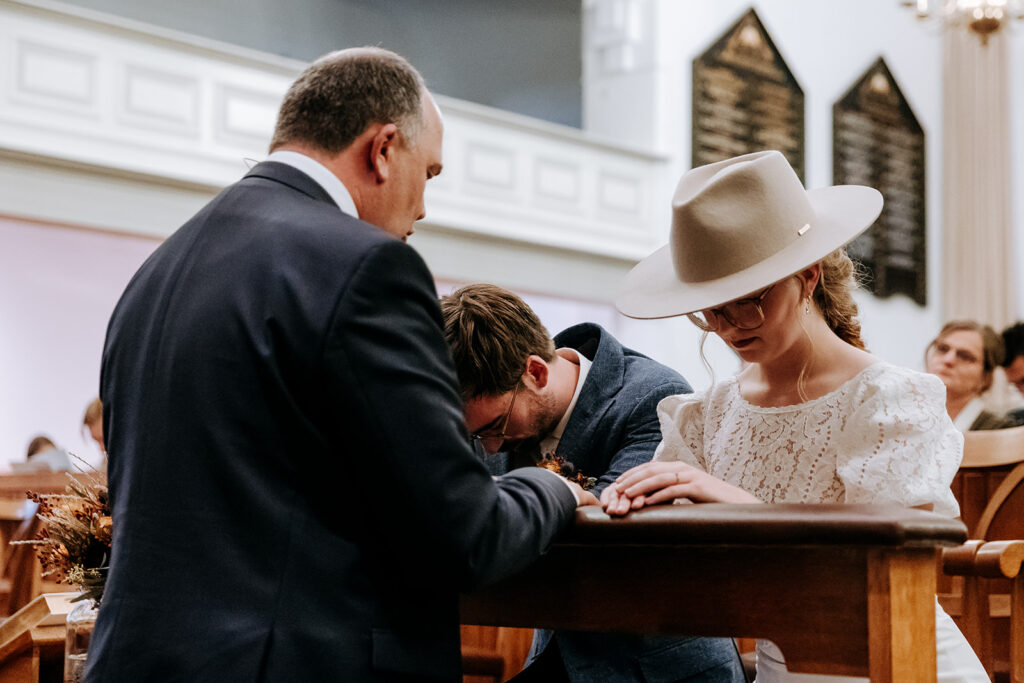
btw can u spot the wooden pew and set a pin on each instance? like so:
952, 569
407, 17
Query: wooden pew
32, 641
841, 589
983, 586
14, 486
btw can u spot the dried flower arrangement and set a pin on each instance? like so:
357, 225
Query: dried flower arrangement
560, 465
74, 545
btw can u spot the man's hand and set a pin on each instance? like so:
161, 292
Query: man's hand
585, 497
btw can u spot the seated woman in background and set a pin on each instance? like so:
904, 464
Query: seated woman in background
812, 417
93, 421
964, 356
42, 455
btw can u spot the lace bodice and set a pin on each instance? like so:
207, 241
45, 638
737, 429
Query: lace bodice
881, 437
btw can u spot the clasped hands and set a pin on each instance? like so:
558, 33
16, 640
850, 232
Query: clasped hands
654, 483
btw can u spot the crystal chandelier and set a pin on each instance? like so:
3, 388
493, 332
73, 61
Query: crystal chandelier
983, 17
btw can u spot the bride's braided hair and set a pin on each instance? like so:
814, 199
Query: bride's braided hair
834, 296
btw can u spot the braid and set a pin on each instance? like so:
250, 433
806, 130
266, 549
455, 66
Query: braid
834, 296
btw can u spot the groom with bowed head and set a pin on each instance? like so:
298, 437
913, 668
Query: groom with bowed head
293, 491
586, 404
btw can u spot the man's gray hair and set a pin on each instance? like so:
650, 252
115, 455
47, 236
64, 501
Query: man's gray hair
334, 100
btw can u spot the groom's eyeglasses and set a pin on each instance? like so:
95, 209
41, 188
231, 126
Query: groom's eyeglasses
500, 434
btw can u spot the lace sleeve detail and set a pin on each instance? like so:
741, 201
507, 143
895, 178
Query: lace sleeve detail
682, 429
898, 445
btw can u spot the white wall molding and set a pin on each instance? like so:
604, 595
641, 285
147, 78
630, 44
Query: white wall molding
80, 88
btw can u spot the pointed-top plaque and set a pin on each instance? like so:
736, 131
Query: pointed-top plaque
877, 141
745, 98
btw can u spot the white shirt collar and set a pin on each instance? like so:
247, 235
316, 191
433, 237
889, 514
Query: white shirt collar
319, 173
549, 443
969, 414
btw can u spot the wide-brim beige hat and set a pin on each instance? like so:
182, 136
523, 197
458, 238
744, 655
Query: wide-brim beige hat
738, 226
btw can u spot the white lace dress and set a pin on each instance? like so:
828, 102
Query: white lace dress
881, 437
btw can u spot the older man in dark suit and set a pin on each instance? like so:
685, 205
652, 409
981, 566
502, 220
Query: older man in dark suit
579, 401
293, 490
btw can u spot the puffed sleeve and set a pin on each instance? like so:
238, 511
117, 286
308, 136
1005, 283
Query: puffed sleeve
682, 429
898, 445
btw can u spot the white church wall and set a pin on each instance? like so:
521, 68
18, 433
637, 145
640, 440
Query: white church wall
827, 46
111, 125
58, 287
128, 129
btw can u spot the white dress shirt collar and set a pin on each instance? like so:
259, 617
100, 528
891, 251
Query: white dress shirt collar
319, 173
549, 443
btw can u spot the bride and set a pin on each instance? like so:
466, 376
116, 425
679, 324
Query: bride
812, 417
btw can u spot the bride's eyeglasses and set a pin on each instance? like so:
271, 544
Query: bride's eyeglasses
745, 314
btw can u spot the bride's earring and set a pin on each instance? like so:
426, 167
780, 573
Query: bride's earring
807, 306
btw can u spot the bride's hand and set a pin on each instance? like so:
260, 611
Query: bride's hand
662, 482
615, 504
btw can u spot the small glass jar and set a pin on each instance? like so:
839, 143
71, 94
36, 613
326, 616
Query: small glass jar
80, 623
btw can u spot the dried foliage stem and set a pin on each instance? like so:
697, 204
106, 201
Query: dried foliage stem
74, 544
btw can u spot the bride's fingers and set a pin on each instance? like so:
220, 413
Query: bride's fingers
669, 494
608, 496
639, 472
616, 504
652, 483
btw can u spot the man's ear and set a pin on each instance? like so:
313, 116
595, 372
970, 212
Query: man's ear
536, 372
382, 146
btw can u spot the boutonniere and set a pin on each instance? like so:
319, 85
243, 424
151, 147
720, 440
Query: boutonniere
560, 465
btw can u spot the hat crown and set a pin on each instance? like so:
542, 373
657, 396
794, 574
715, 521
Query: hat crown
731, 215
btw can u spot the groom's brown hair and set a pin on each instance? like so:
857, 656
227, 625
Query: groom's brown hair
491, 332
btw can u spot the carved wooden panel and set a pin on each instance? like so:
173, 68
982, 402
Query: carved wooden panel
877, 141
745, 98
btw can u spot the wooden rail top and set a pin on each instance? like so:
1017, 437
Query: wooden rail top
993, 447
781, 524
16, 485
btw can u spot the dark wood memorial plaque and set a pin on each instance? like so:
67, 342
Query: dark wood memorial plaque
745, 99
877, 141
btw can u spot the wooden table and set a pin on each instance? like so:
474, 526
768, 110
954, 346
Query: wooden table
841, 589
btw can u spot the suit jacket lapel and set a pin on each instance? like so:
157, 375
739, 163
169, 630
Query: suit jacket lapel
602, 383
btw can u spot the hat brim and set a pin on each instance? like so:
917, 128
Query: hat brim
653, 290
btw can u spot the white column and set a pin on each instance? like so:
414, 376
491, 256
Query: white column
620, 85
978, 276
979, 279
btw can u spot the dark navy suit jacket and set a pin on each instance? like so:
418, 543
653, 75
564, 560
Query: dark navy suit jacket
294, 495
613, 427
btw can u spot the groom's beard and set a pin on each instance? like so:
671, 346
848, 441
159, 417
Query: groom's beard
544, 417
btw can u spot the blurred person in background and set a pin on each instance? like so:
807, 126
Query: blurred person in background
964, 356
42, 455
93, 421
1013, 364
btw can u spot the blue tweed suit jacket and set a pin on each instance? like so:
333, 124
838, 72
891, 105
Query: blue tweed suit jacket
614, 426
